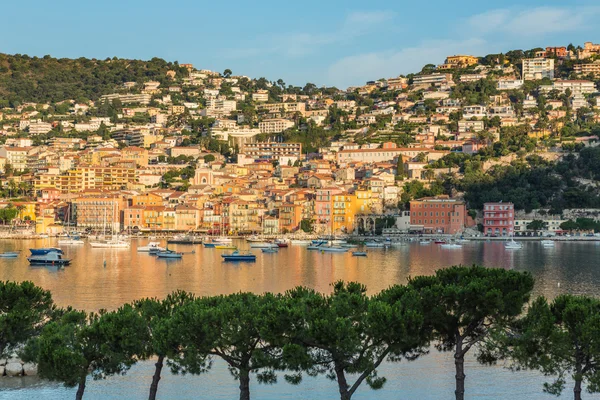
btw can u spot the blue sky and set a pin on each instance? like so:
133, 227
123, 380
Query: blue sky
324, 42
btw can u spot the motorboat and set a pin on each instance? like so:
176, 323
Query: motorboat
339, 241
237, 256
225, 247
254, 238
45, 250
439, 241
314, 247
270, 250
51, 258
547, 243
262, 245
169, 254
451, 246
209, 245
348, 246
333, 249
222, 239
281, 243
184, 239
110, 244
359, 253
150, 247
70, 241
319, 242
425, 242
9, 254
512, 245
374, 244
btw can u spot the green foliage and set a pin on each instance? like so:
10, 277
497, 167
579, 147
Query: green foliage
562, 339
307, 225
537, 225
24, 309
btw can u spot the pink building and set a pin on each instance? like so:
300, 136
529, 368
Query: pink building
439, 214
323, 205
498, 219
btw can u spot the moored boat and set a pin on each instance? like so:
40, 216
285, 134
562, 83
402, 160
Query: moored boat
70, 241
374, 244
237, 256
262, 245
150, 247
110, 244
169, 254
451, 246
359, 253
270, 250
314, 247
300, 242
281, 242
209, 245
512, 245
45, 250
225, 247
51, 258
222, 239
547, 243
184, 239
333, 249
9, 254
425, 242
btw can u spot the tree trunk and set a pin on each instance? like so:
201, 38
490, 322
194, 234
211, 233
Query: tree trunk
156, 377
459, 364
342, 384
244, 384
81, 388
577, 390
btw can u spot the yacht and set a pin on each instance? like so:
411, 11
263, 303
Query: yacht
184, 239
512, 245
45, 250
110, 244
300, 242
222, 239
150, 247
262, 245
237, 256
374, 244
547, 243
51, 258
451, 246
169, 254
333, 249
70, 240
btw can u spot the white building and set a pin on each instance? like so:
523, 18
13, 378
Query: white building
509, 84
538, 68
261, 96
575, 86
474, 111
275, 125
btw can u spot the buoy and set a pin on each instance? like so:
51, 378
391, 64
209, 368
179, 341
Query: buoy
104, 263
558, 284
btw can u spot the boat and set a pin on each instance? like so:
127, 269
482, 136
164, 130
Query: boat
169, 254
339, 241
425, 242
225, 247
512, 245
349, 246
281, 243
262, 245
222, 239
451, 246
150, 247
110, 244
51, 258
184, 239
333, 249
318, 242
314, 247
45, 250
209, 245
547, 243
70, 240
439, 241
300, 242
359, 253
270, 250
9, 254
254, 238
237, 256
374, 244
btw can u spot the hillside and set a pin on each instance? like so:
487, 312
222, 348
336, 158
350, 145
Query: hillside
48, 79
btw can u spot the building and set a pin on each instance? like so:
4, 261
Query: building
261, 96
387, 154
459, 61
558, 52
272, 150
16, 157
575, 86
498, 219
297, 107
128, 98
537, 68
589, 49
509, 84
100, 213
39, 128
470, 126
432, 79
276, 125
588, 68
439, 214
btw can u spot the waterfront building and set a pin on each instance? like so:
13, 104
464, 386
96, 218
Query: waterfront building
439, 214
498, 219
538, 68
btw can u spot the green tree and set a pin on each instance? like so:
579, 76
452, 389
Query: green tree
465, 305
537, 225
562, 339
238, 329
163, 341
77, 344
24, 309
569, 225
307, 225
347, 334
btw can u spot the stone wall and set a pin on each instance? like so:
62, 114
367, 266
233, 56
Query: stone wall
15, 367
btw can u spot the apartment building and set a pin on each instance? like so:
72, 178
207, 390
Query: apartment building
128, 98
589, 49
39, 128
99, 212
537, 68
222, 105
297, 107
275, 125
578, 87
470, 126
588, 68
474, 112
16, 156
261, 96
387, 154
439, 214
343, 208
498, 219
272, 150
436, 79
509, 84
459, 61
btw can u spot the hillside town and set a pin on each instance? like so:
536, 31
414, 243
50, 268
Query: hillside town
216, 153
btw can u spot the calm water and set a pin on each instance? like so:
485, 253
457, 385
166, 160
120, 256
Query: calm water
129, 275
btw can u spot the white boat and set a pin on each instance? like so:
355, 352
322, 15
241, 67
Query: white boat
333, 249
374, 244
451, 246
152, 246
339, 241
263, 245
110, 244
547, 243
254, 238
222, 239
512, 245
69, 241
300, 242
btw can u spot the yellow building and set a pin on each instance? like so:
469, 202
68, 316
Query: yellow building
137, 154
459, 61
365, 201
343, 211
26, 209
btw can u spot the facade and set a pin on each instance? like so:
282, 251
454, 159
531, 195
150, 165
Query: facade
276, 125
459, 61
498, 219
15, 156
432, 79
439, 214
272, 150
588, 68
537, 68
127, 98
509, 84
575, 86
261, 96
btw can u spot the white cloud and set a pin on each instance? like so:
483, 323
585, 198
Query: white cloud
357, 69
535, 21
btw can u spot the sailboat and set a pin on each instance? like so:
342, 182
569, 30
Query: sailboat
113, 243
512, 245
69, 240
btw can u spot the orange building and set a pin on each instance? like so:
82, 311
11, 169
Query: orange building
439, 214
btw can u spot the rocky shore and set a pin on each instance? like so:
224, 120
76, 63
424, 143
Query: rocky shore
15, 367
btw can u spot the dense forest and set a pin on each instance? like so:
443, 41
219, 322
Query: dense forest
47, 79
